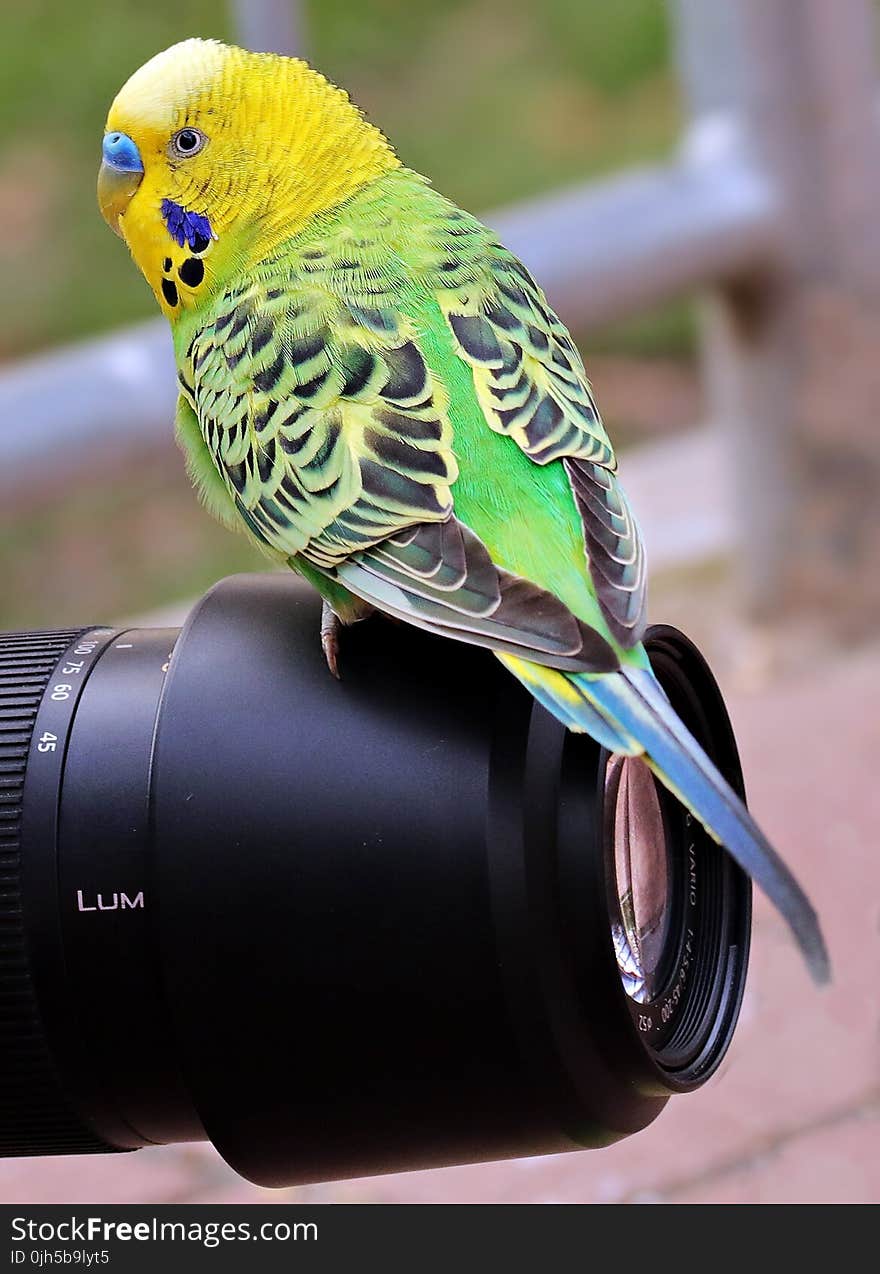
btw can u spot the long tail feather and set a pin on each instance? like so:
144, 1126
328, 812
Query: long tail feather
628, 712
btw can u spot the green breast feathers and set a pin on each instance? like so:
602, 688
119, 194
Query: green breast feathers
372, 398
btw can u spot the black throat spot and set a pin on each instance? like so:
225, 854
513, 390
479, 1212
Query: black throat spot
192, 272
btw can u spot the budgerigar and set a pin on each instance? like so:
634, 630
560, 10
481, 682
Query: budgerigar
379, 394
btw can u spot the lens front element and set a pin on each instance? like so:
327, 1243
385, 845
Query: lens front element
635, 837
678, 907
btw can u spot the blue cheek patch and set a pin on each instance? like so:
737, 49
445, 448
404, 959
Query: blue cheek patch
188, 228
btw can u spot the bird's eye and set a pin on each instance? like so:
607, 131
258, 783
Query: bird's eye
187, 141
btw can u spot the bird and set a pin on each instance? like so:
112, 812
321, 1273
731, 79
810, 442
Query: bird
380, 396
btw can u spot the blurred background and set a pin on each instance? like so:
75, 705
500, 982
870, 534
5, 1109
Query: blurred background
696, 186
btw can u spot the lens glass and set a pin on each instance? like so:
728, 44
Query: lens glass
639, 875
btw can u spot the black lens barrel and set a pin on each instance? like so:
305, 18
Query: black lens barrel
371, 865
337, 928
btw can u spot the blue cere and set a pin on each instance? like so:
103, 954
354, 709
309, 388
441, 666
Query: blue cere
120, 152
189, 228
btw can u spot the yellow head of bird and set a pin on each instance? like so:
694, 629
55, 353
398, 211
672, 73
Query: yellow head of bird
213, 157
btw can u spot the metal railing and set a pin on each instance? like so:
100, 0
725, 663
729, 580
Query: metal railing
772, 201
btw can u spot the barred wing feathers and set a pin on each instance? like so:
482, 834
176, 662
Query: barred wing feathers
531, 385
323, 419
334, 441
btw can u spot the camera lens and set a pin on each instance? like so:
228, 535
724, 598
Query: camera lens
641, 902
400, 921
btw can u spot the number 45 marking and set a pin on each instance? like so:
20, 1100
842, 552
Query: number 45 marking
48, 742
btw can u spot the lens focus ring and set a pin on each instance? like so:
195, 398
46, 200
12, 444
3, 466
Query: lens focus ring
35, 1116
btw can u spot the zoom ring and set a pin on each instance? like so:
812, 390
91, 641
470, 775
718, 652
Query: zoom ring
35, 1116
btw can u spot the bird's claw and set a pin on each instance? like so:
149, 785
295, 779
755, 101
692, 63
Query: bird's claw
331, 627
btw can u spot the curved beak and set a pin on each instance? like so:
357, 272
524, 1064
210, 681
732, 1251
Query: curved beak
121, 173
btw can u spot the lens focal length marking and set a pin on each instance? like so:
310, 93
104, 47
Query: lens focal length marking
46, 760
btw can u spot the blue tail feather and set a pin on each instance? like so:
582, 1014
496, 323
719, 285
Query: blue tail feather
634, 701
628, 712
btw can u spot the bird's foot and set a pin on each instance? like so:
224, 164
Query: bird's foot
331, 627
